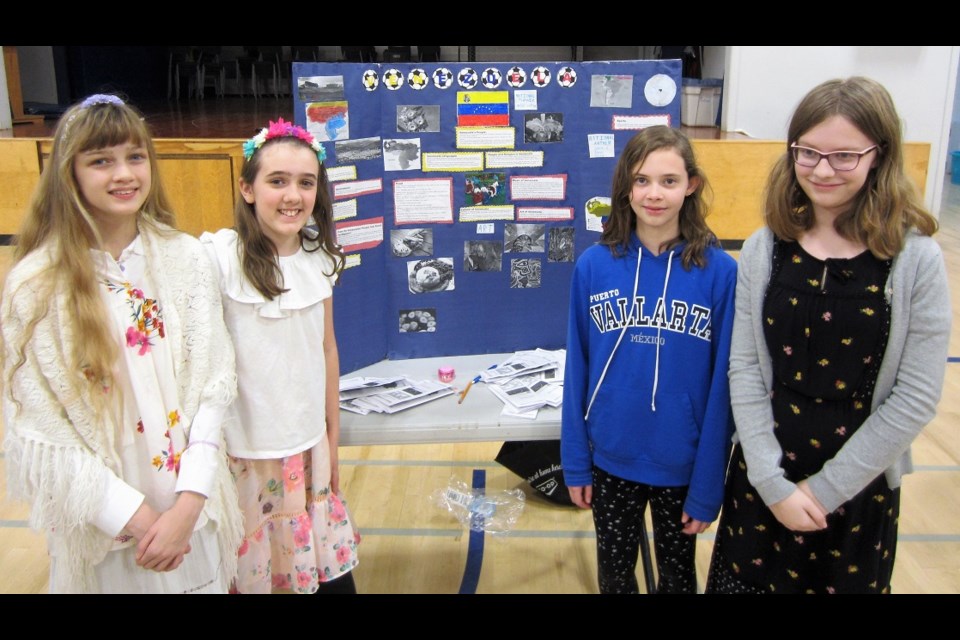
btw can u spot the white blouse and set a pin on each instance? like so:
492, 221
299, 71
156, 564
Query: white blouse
281, 369
157, 460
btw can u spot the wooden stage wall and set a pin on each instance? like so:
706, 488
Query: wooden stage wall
201, 179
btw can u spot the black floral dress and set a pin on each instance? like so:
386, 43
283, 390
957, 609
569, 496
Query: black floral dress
826, 325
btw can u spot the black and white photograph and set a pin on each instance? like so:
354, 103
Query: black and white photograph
561, 245
411, 242
523, 238
430, 276
417, 118
611, 91
525, 273
320, 88
401, 155
482, 255
354, 150
542, 127
418, 320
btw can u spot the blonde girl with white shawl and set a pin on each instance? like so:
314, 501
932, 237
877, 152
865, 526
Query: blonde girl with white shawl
117, 370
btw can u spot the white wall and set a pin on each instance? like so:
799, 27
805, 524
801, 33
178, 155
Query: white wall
6, 119
764, 84
954, 144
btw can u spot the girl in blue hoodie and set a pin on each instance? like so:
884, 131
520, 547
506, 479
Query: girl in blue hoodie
646, 407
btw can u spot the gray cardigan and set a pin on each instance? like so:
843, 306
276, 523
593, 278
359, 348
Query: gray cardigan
908, 386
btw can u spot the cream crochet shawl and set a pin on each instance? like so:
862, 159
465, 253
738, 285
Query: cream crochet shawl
56, 446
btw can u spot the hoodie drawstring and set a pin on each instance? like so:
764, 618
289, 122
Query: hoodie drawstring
626, 322
656, 370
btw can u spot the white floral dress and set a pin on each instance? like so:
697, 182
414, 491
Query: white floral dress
297, 532
150, 434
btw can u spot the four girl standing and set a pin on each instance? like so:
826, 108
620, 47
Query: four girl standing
118, 371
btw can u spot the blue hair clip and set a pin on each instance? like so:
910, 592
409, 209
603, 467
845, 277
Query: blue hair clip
101, 98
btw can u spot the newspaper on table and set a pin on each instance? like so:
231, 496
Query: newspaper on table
388, 395
526, 381
520, 363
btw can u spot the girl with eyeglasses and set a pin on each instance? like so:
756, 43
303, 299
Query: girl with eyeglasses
838, 355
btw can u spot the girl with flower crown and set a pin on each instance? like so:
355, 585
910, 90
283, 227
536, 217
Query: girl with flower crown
276, 269
117, 372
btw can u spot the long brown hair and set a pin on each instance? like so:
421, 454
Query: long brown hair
887, 206
58, 219
622, 222
258, 254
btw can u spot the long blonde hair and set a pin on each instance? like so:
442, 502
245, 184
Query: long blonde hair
887, 206
58, 221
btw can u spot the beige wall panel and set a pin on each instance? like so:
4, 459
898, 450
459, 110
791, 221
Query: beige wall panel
19, 174
201, 179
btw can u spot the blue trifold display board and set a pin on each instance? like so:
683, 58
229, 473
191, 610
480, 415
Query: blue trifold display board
419, 289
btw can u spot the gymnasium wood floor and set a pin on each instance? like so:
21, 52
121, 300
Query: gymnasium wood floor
411, 546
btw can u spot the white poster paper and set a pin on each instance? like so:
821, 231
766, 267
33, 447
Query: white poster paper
339, 174
476, 214
507, 159
422, 200
345, 209
485, 137
343, 190
629, 123
525, 100
544, 213
360, 234
601, 145
538, 187
466, 161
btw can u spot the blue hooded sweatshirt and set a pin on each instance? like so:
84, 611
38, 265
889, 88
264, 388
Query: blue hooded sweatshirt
661, 415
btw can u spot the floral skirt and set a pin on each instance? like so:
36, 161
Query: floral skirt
297, 533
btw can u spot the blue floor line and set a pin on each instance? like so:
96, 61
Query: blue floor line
471, 572
953, 359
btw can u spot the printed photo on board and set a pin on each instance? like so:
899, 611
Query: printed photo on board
412, 118
542, 127
430, 276
561, 245
418, 320
411, 242
523, 238
524, 273
401, 155
482, 255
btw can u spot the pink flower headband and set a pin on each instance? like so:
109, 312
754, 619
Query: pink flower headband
281, 129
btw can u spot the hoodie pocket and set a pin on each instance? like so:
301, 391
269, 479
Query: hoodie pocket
624, 427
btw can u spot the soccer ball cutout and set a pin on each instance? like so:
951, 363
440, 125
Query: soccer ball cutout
442, 78
566, 77
540, 76
371, 80
516, 77
467, 78
393, 79
417, 79
491, 78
